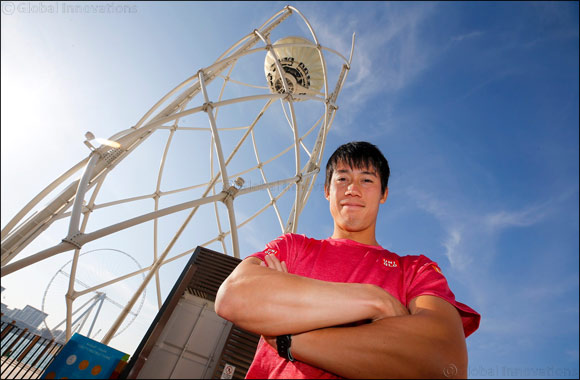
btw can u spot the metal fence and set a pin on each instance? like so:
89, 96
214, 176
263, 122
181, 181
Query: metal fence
25, 355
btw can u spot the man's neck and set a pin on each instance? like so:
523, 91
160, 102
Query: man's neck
364, 237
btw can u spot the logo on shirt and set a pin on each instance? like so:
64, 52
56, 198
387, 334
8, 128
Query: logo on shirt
270, 251
436, 268
390, 263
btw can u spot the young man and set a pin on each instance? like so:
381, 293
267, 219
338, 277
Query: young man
345, 306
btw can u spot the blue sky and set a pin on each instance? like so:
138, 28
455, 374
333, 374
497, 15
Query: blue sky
475, 105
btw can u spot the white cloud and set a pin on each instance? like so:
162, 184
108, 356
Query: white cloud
451, 243
466, 36
471, 235
386, 60
520, 218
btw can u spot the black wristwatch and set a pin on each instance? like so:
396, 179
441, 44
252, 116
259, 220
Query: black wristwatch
283, 343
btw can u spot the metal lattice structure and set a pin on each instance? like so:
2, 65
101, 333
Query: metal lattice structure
205, 93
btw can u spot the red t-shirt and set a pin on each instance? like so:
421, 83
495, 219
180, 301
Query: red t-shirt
343, 260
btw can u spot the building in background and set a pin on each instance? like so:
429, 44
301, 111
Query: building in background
31, 316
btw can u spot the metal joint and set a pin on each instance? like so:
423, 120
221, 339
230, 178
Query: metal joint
331, 104
206, 106
233, 190
72, 240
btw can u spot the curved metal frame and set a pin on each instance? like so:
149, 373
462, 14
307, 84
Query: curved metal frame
98, 297
104, 158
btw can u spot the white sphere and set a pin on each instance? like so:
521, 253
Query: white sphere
301, 64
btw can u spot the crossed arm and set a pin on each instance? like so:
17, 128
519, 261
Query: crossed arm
425, 341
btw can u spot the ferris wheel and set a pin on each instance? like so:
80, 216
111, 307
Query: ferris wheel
237, 144
97, 305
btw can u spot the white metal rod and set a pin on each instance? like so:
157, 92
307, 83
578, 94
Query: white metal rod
158, 122
263, 26
101, 301
324, 71
246, 190
233, 227
83, 239
297, 158
75, 218
156, 207
215, 206
265, 207
163, 99
44, 254
149, 216
221, 162
70, 294
10, 225
121, 201
110, 282
260, 166
243, 83
76, 311
276, 62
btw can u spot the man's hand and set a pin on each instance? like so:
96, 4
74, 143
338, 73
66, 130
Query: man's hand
389, 306
272, 262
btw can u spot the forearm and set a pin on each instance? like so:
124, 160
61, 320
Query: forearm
414, 346
270, 302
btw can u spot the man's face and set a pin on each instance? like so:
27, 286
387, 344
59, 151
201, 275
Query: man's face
354, 196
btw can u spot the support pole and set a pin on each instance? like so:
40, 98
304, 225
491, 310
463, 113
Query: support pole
222, 163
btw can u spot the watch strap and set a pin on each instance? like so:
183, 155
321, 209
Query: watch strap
283, 343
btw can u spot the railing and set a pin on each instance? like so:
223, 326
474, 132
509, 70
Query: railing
25, 355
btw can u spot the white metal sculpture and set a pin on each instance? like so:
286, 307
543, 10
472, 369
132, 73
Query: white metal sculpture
305, 81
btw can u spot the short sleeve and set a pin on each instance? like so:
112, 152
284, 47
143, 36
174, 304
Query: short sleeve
423, 277
282, 247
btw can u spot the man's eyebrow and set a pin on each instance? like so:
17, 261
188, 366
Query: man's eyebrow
367, 172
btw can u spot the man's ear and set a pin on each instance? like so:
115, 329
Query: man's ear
326, 193
385, 195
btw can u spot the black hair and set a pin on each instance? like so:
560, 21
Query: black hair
359, 155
